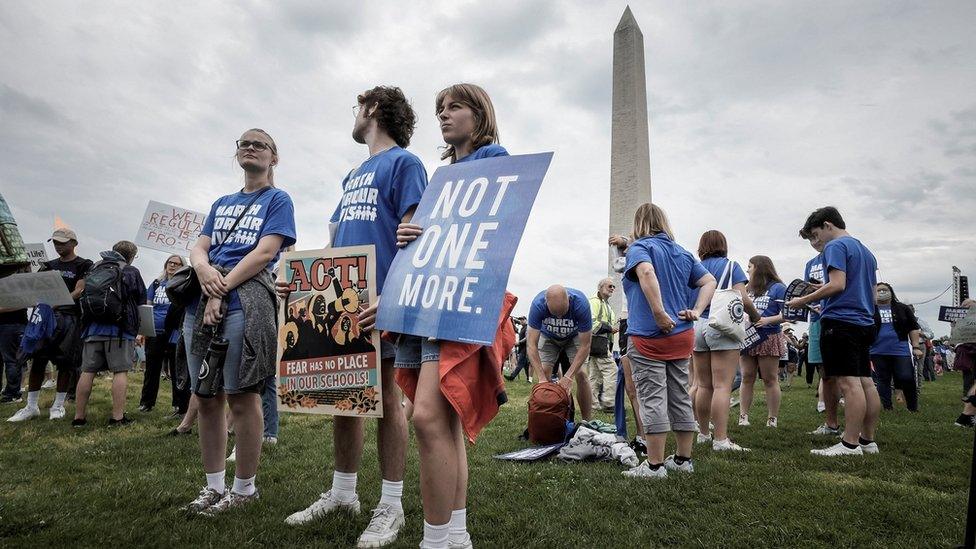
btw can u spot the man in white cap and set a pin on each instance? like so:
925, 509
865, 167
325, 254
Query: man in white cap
73, 270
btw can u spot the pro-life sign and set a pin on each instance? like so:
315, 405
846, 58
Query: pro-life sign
449, 283
169, 228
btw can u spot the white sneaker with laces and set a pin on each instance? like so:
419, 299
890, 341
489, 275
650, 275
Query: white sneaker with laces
771, 422
672, 465
702, 439
644, 471
25, 413
871, 448
825, 430
744, 420
57, 412
837, 450
233, 455
230, 500
327, 503
383, 527
727, 446
205, 499
821, 407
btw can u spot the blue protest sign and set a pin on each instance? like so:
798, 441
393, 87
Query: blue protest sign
449, 283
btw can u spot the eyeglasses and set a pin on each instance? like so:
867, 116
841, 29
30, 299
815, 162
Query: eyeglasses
257, 145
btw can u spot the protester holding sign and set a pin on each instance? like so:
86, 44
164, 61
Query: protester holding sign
848, 328
469, 129
658, 276
161, 350
239, 244
378, 195
66, 355
716, 353
110, 314
767, 292
892, 353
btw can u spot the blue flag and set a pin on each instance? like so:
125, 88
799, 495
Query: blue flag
449, 283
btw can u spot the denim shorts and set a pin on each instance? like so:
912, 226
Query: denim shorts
412, 351
709, 339
234, 334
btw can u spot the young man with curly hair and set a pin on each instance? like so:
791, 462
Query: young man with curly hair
377, 196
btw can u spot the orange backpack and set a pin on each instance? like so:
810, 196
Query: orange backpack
550, 407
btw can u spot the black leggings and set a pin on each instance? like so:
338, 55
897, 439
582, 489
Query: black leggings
902, 369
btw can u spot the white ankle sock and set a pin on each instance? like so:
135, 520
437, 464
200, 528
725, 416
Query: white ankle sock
459, 525
344, 486
59, 399
244, 486
435, 537
215, 481
392, 493
32, 397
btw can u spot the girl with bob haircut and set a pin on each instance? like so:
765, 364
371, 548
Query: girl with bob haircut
658, 276
716, 354
767, 292
467, 122
241, 240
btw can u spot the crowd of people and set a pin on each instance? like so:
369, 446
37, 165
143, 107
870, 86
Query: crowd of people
677, 367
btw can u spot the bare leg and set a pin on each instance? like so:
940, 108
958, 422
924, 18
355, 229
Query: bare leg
831, 399
391, 440
872, 409
770, 374
584, 394
213, 433
685, 440
855, 407
433, 420
119, 382
82, 394
248, 430
723, 366
347, 438
703, 401
655, 447
750, 365
190, 417
461, 492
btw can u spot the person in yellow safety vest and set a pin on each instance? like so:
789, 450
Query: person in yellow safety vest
600, 365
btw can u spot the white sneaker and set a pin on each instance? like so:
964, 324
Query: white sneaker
326, 504
837, 450
825, 430
727, 446
644, 471
57, 412
733, 403
233, 455
25, 413
672, 465
466, 543
771, 422
821, 407
744, 421
383, 527
270, 440
702, 439
841, 402
49, 384
871, 448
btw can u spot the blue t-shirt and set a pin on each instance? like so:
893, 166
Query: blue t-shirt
156, 295
855, 304
485, 151
770, 304
814, 269
578, 319
677, 271
376, 196
887, 342
271, 214
716, 266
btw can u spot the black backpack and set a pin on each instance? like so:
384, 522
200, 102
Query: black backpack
103, 300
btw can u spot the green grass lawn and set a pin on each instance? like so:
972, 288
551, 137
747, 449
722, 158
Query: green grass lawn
122, 486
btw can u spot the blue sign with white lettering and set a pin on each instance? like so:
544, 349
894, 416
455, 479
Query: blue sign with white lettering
449, 283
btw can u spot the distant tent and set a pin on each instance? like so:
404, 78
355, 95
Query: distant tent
13, 256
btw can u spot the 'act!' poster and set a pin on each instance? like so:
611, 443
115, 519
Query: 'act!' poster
326, 364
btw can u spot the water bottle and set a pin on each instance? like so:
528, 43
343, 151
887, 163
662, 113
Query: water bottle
212, 368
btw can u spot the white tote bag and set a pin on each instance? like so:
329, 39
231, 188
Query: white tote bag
727, 313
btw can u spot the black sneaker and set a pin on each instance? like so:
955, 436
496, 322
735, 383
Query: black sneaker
8, 399
638, 446
124, 421
177, 432
965, 421
79, 422
144, 408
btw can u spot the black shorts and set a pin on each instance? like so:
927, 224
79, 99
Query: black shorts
846, 348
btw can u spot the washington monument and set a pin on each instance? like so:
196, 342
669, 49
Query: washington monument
630, 164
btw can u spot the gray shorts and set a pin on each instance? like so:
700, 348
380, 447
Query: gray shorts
549, 349
662, 393
104, 353
709, 339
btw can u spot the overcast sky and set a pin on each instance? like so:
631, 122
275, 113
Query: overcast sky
759, 113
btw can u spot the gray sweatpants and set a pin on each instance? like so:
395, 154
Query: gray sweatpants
662, 393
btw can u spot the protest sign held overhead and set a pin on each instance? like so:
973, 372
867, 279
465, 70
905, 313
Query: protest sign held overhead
326, 364
450, 282
952, 314
169, 228
24, 290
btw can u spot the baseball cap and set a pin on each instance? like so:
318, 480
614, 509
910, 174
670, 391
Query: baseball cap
63, 235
